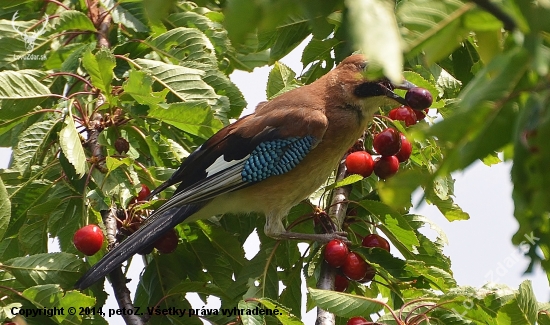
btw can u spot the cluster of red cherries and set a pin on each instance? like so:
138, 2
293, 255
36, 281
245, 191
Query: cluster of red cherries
392, 146
351, 265
89, 239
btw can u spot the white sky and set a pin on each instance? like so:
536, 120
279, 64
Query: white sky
480, 248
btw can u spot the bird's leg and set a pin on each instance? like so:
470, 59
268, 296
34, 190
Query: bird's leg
274, 228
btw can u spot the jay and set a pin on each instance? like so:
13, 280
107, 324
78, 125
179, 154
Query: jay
267, 161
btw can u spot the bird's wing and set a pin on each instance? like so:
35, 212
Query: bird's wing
252, 149
227, 161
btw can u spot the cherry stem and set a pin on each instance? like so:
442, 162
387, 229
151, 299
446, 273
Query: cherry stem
70, 74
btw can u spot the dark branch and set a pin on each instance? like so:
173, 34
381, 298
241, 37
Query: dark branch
509, 23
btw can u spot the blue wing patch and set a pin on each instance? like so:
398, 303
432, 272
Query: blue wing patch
275, 157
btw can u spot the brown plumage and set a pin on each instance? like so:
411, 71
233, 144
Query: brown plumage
332, 111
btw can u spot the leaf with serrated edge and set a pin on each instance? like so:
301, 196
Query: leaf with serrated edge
100, 67
375, 30
283, 314
61, 268
72, 19
393, 222
5, 209
344, 304
69, 140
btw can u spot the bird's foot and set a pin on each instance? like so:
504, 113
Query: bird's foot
321, 238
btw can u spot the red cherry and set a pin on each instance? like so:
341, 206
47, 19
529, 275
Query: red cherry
420, 115
406, 149
375, 240
360, 162
419, 98
340, 283
387, 142
88, 239
385, 167
144, 193
167, 243
336, 252
357, 321
355, 267
405, 114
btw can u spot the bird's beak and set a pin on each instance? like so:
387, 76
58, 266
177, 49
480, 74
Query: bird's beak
389, 87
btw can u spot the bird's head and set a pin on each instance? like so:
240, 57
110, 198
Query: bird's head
358, 91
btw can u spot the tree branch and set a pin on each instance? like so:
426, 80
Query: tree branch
509, 23
117, 278
337, 214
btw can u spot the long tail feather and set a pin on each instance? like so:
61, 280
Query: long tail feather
142, 238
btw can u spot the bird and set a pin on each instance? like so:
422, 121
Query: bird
268, 161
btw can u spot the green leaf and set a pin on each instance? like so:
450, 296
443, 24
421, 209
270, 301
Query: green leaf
211, 259
212, 29
344, 304
69, 139
280, 80
250, 319
392, 222
354, 178
481, 20
450, 210
184, 44
198, 287
496, 80
162, 274
432, 26
283, 314
225, 88
32, 144
131, 15
184, 83
53, 268
5, 209
100, 67
113, 163
193, 117
375, 32
51, 296
291, 297
33, 235
224, 243
318, 50
440, 279
139, 86
396, 192
523, 309
74, 20
286, 36
543, 319
19, 94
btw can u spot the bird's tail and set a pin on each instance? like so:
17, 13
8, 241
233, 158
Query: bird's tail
152, 229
